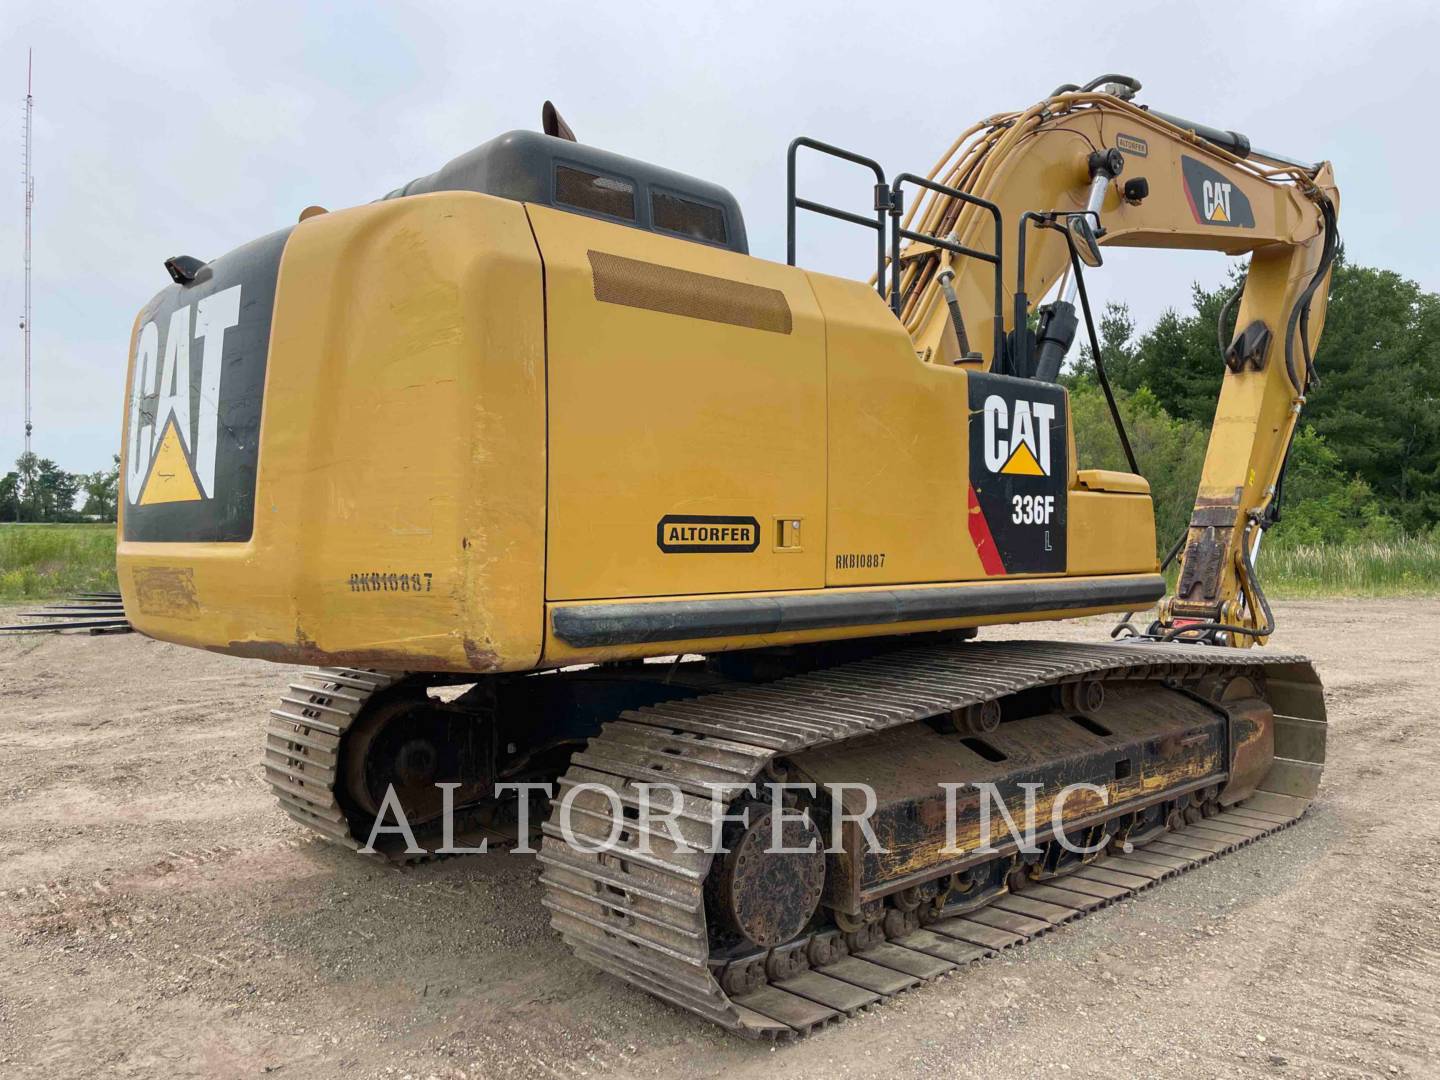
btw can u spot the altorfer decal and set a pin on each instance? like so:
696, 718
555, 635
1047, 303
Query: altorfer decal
690, 533
1132, 144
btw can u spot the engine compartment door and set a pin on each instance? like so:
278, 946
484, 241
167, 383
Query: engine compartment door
687, 416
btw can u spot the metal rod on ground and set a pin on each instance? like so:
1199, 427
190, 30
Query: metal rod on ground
88, 607
65, 625
61, 616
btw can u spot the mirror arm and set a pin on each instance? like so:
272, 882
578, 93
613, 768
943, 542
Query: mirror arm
1104, 166
1018, 362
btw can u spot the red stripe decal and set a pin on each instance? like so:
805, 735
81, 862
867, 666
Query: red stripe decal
1190, 198
984, 542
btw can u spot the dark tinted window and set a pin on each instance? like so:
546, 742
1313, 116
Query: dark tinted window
696, 220
601, 194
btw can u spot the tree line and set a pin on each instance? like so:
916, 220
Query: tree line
1365, 463
39, 490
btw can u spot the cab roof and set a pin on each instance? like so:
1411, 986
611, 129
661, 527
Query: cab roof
532, 167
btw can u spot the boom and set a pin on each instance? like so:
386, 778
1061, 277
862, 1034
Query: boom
1168, 186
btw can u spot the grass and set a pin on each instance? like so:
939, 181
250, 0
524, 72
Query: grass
1409, 566
43, 561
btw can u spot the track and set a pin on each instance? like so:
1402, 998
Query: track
302, 745
303, 761
642, 917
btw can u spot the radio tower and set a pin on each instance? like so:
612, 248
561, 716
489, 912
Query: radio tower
29, 203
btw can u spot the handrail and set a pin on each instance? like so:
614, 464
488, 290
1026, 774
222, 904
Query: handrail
882, 203
897, 208
890, 199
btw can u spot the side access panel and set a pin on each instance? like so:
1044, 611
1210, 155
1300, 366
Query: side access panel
899, 454
686, 416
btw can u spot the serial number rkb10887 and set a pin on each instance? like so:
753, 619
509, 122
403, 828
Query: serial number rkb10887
391, 582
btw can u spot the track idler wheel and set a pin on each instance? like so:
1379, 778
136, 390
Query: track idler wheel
868, 935
912, 907
745, 976
767, 896
405, 743
1083, 696
975, 887
898, 923
871, 912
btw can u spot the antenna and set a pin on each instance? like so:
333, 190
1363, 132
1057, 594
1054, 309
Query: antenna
29, 203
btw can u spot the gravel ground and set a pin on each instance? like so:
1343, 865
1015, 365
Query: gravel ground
160, 916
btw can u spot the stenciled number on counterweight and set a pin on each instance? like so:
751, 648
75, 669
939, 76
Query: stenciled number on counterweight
385, 582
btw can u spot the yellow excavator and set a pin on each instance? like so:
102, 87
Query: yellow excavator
483, 451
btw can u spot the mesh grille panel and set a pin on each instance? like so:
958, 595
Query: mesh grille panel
638, 284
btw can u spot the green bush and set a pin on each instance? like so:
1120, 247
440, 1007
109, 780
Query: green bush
1168, 451
38, 561
1323, 505
1334, 537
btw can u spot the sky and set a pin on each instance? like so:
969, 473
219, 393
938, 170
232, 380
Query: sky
163, 129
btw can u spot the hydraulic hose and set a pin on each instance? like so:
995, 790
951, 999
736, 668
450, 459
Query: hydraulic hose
1099, 358
1252, 583
1302, 304
1128, 81
1225, 310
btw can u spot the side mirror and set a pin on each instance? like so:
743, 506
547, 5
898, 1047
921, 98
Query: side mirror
1086, 246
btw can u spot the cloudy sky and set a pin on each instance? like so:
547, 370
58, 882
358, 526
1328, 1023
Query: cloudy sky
190, 128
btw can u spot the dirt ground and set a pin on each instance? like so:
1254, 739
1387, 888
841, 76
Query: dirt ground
160, 916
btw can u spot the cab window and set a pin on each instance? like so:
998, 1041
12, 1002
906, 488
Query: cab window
608, 195
685, 217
